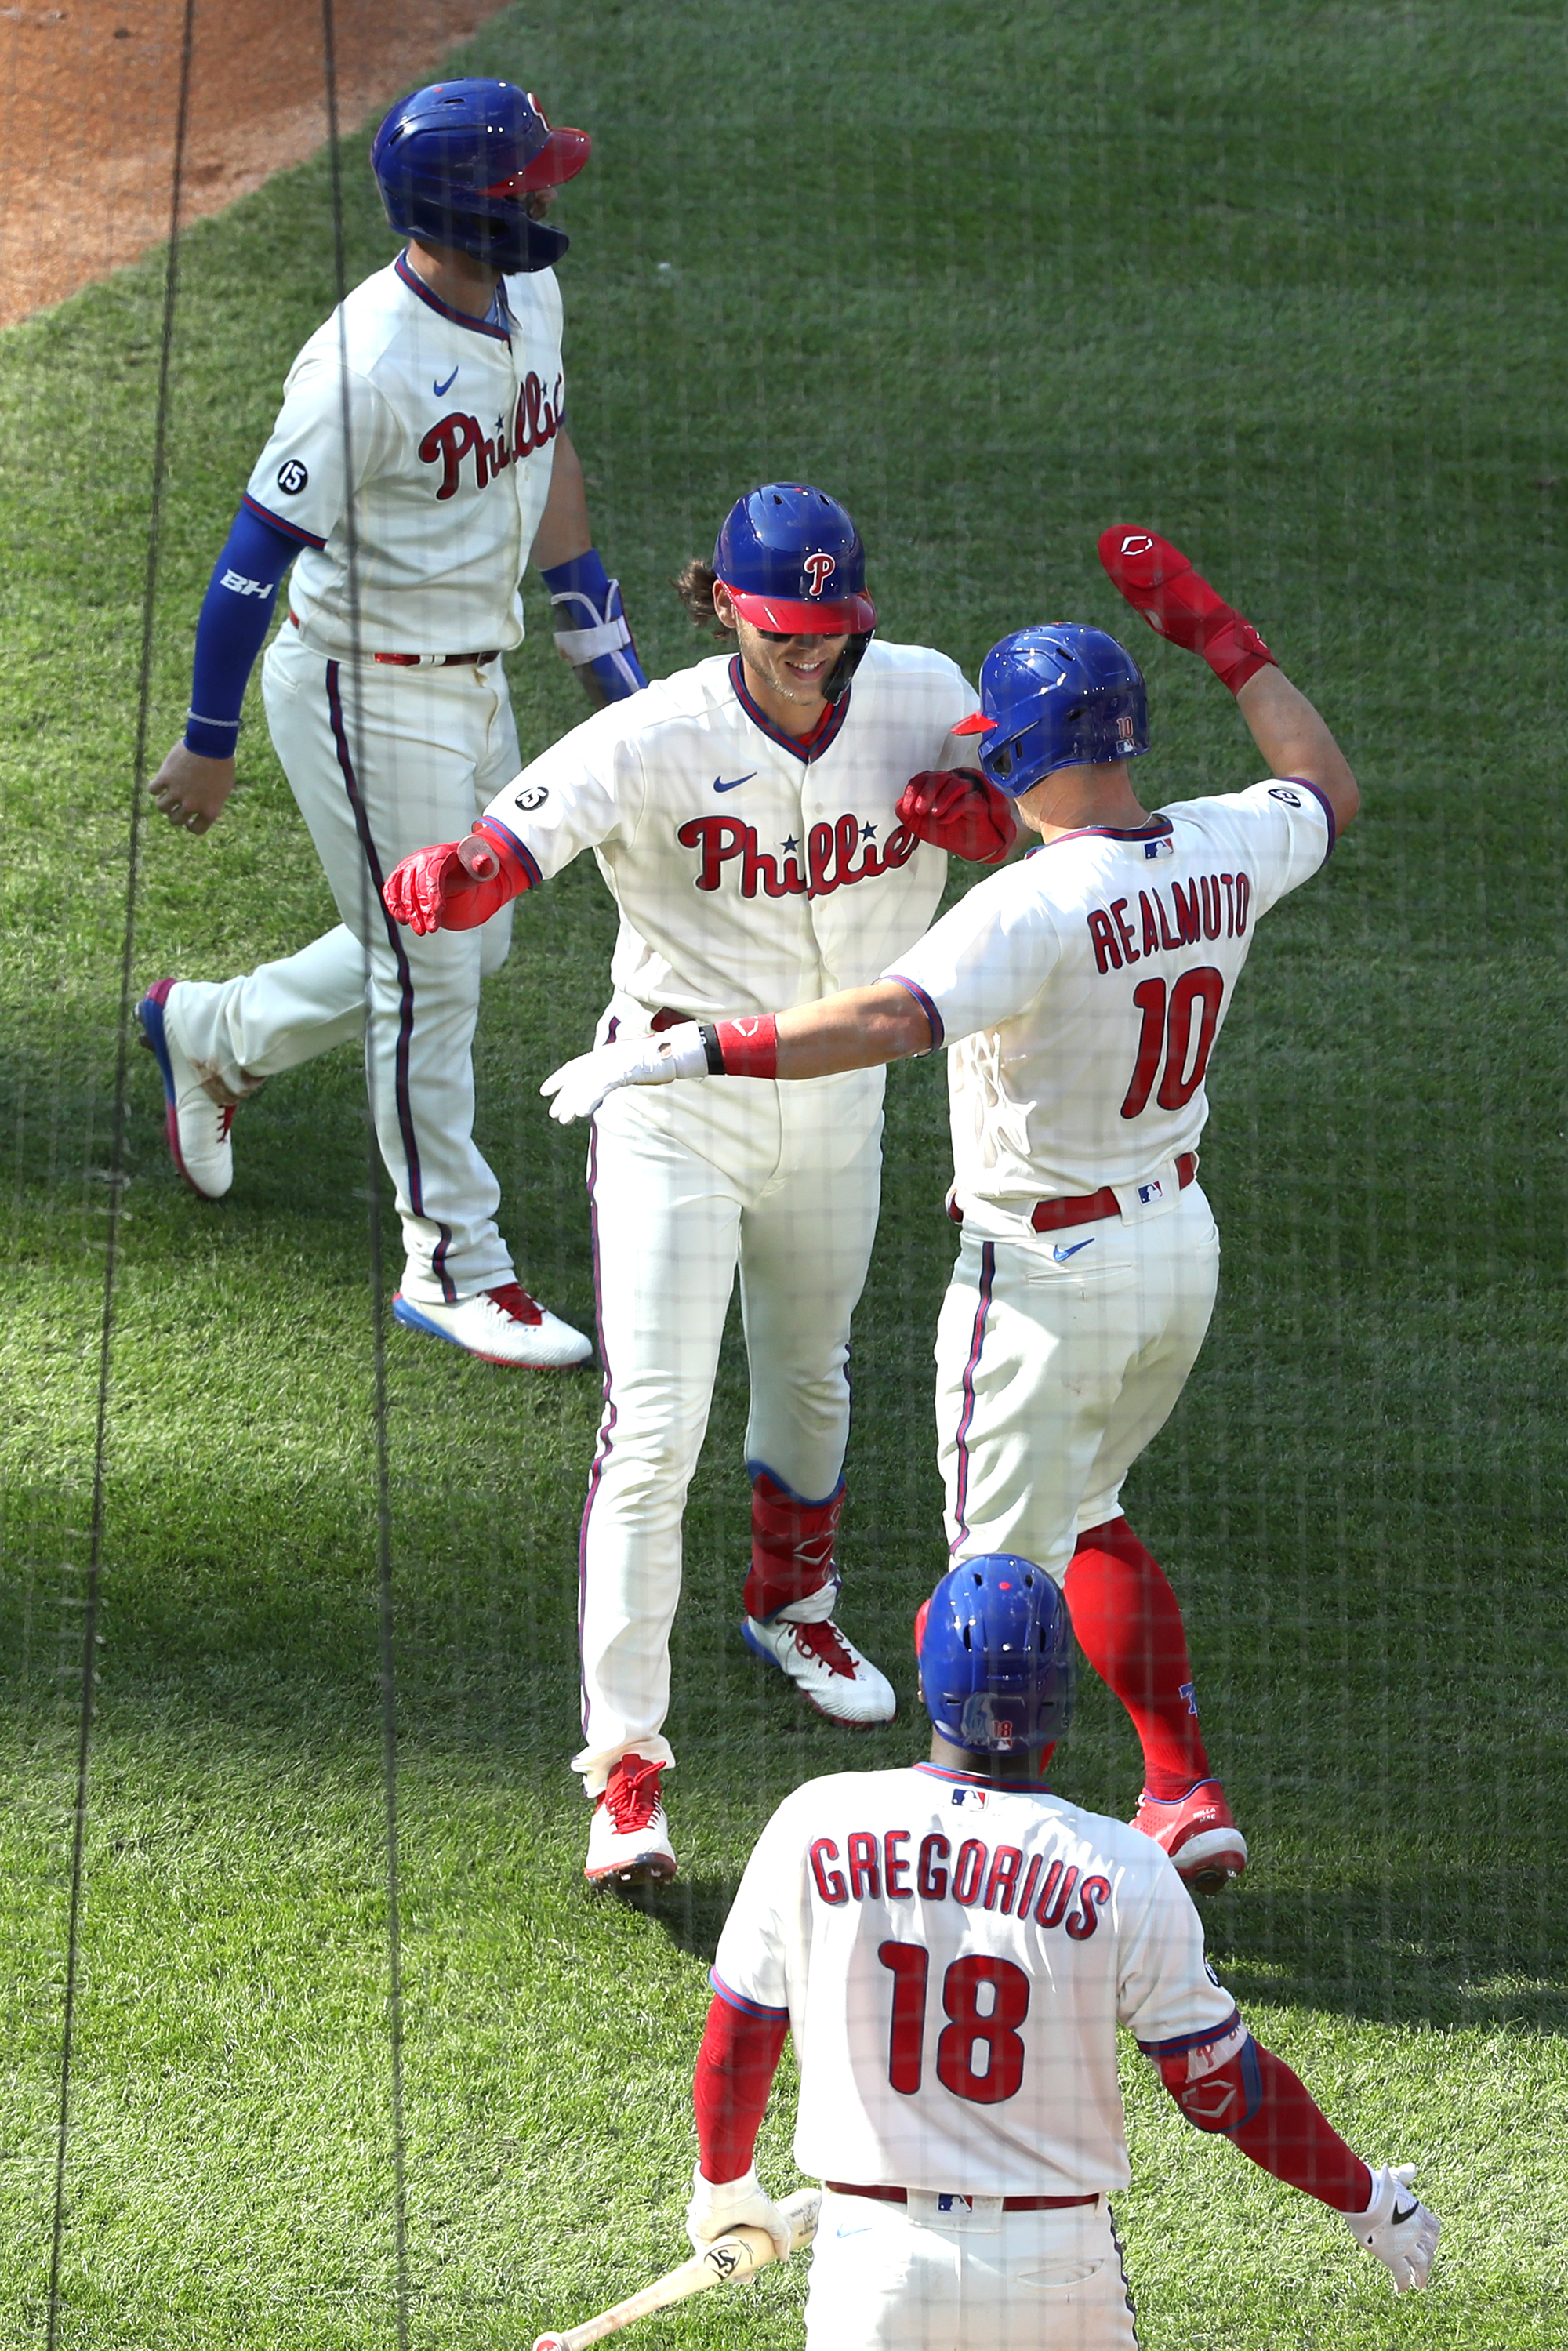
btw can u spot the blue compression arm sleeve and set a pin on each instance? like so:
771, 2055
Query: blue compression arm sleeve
237, 612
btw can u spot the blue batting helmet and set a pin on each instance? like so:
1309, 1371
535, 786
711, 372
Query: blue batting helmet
1057, 695
793, 563
457, 162
997, 1663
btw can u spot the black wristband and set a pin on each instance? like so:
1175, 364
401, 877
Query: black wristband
713, 1048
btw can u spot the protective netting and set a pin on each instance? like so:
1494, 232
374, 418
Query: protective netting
313, 2031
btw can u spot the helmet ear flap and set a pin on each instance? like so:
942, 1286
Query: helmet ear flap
836, 684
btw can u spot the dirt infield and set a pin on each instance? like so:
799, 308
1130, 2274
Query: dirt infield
89, 92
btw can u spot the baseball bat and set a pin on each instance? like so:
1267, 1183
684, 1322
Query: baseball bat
728, 2262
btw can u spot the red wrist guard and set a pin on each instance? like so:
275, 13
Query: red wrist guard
747, 1049
1178, 602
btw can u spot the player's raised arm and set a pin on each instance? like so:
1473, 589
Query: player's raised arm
1178, 602
859, 1028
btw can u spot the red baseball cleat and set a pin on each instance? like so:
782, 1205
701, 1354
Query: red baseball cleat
1199, 1833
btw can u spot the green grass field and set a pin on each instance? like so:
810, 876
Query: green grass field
1288, 284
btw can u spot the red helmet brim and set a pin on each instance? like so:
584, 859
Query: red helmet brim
789, 616
560, 158
977, 723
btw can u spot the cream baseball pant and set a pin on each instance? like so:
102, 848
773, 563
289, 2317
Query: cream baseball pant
1059, 1357
897, 2277
383, 761
690, 1183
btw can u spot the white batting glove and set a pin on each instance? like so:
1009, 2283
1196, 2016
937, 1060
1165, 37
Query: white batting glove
1397, 2227
579, 1087
716, 2207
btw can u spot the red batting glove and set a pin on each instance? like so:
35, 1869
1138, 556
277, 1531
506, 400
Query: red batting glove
457, 885
961, 811
1158, 581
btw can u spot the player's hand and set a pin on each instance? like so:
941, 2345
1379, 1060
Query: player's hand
1178, 602
716, 2207
577, 1087
455, 886
961, 811
191, 790
1397, 2227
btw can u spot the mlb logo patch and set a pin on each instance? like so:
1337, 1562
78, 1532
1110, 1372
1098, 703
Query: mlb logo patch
962, 1796
1155, 1191
954, 2204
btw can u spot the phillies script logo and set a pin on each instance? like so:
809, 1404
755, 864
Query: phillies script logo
819, 570
831, 853
536, 424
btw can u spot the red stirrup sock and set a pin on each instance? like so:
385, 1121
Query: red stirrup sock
1178, 602
791, 1546
1128, 1623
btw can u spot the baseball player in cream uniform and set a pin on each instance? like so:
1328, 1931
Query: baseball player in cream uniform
953, 1948
756, 822
418, 458
1079, 994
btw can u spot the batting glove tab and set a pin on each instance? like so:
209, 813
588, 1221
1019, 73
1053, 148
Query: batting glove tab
457, 885
961, 811
716, 2206
1397, 2227
575, 1090
1178, 602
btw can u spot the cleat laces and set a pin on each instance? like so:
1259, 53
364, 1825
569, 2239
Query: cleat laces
631, 1797
825, 1643
513, 1301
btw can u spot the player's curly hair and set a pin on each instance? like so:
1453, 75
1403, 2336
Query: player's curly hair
695, 584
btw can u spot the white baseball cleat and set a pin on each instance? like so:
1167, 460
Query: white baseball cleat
198, 1110
1397, 2227
629, 1840
500, 1326
826, 1669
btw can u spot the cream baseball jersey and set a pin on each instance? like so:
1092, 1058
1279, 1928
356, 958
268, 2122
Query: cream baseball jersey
954, 1960
442, 427
1082, 991
752, 871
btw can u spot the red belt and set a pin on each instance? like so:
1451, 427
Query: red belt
425, 661
437, 661
1009, 2203
1049, 1215
665, 1019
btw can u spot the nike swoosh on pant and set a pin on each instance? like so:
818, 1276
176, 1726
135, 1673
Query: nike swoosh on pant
1061, 1252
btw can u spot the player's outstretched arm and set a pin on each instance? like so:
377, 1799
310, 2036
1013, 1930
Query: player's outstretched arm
1235, 2086
1178, 602
858, 1029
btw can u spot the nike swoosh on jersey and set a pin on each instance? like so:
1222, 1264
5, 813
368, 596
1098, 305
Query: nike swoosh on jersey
1064, 1249
719, 786
440, 389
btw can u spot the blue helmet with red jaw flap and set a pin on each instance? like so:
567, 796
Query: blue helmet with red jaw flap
793, 563
1057, 695
997, 1669
458, 161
